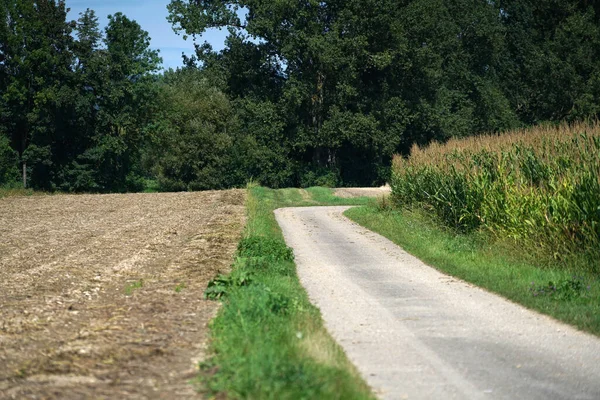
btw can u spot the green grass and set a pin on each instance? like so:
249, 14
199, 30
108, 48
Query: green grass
325, 196
502, 268
14, 190
314, 196
268, 340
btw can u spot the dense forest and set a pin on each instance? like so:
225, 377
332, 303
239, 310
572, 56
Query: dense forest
305, 92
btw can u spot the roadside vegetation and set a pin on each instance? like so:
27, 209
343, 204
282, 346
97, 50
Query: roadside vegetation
9, 190
538, 187
517, 214
268, 340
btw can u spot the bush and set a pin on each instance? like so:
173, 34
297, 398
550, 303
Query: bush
258, 246
323, 177
9, 163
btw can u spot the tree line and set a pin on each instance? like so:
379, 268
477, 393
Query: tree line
304, 93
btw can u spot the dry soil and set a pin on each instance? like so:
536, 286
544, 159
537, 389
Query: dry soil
363, 192
101, 296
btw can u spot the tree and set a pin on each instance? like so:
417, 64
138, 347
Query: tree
121, 103
190, 137
552, 73
35, 80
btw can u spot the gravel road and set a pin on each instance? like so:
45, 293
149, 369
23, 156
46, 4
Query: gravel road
415, 333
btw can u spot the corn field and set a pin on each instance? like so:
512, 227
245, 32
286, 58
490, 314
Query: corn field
540, 186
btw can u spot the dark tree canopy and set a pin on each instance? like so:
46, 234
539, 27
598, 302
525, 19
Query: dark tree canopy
304, 92
356, 81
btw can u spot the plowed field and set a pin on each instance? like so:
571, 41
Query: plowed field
101, 296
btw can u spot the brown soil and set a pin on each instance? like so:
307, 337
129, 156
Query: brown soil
102, 296
363, 192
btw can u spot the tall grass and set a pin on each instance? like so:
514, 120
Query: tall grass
13, 190
540, 187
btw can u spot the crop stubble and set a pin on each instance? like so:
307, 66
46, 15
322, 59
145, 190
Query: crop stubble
74, 321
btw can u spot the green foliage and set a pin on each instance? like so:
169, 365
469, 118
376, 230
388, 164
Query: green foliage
565, 290
338, 87
180, 287
319, 176
303, 94
222, 285
35, 92
540, 187
261, 150
274, 249
9, 163
130, 288
190, 140
74, 102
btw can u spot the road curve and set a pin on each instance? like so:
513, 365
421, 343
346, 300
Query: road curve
415, 333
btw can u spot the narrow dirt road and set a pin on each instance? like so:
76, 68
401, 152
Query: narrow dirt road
415, 333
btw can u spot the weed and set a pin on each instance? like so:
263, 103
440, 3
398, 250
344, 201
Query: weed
264, 265
384, 204
133, 286
222, 285
278, 303
565, 289
262, 247
179, 288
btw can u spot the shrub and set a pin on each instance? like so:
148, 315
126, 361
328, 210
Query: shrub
258, 246
9, 163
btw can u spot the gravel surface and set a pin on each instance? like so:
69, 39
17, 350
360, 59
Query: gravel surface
363, 192
415, 333
101, 296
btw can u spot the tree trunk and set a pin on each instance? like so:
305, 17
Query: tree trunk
317, 120
24, 174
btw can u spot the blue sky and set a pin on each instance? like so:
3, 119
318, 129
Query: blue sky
151, 15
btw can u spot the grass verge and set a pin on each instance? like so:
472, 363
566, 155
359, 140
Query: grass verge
570, 294
9, 191
268, 340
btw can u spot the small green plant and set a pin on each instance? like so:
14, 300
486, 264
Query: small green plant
133, 286
222, 285
272, 249
179, 287
565, 289
278, 303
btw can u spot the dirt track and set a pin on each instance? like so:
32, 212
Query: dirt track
363, 192
101, 296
